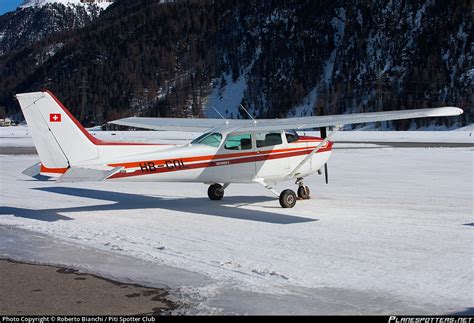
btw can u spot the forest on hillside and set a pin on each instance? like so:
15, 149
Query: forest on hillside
143, 57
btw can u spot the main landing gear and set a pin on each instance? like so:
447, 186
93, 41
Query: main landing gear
216, 191
288, 197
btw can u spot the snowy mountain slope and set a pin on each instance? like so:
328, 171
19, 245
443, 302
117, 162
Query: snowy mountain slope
276, 58
374, 56
103, 4
38, 19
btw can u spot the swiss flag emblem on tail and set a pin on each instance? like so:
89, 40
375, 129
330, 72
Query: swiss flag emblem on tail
55, 117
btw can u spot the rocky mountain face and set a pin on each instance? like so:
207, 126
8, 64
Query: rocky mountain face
31, 24
292, 58
323, 57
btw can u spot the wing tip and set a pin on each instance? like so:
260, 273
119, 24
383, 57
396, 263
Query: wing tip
446, 111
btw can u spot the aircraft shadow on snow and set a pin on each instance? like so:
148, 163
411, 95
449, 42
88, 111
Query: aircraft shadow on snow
128, 201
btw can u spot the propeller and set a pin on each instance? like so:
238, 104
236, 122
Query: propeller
324, 134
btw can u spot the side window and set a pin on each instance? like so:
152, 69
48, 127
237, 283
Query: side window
239, 142
291, 137
265, 139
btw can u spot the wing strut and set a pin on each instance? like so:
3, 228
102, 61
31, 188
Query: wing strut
268, 187
315, 150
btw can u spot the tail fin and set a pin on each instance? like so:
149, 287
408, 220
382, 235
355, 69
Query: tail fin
60, 139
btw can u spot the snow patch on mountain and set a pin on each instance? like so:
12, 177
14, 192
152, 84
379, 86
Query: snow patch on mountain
226, 97
39, 3
306, 107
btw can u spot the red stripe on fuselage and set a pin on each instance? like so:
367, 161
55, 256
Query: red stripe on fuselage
250, 159
212, 157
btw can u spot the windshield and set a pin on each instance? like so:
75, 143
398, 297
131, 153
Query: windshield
212, 139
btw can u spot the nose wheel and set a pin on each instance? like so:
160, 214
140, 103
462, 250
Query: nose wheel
303, 192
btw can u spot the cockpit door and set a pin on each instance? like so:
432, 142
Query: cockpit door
236, 158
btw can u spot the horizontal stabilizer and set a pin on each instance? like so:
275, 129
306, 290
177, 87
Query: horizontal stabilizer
82, 174
35, 172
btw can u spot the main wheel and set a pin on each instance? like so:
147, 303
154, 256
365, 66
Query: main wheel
303, 192
215, 192
287, 199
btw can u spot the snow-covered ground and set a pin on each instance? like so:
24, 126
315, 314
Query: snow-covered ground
392, 232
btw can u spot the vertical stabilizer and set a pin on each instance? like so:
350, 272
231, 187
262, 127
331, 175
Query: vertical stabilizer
60, 140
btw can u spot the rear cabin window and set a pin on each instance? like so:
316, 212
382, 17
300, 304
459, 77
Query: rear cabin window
266, 139
239, 142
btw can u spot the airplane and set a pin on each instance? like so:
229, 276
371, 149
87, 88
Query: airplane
264, 151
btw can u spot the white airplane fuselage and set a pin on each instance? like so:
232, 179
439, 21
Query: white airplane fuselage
224, 155
206, 164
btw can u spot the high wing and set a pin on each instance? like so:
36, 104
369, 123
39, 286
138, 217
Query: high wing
192, 125
180, 124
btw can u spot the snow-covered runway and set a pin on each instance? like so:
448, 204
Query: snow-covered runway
392, 232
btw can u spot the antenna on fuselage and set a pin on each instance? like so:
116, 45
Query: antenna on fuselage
226, 121
254, 121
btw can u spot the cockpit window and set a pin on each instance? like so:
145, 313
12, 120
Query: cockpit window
212, 139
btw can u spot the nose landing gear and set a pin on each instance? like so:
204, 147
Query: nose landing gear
303, 190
